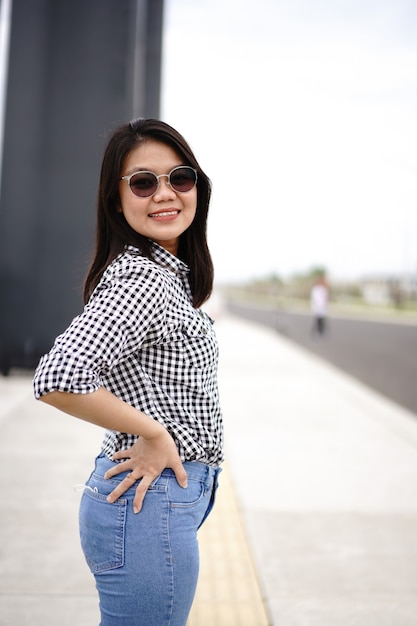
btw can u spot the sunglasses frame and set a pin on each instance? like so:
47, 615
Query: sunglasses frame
168, 176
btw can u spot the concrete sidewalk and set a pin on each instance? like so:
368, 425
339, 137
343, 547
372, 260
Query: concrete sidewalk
325, 476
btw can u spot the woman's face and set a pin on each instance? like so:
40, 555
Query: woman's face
165, 215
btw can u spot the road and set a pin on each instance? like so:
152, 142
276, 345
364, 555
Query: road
381, 354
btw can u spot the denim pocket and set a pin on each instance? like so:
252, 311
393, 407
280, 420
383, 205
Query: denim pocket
184, 498
102, 531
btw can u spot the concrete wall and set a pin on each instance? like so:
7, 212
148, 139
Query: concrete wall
76, 70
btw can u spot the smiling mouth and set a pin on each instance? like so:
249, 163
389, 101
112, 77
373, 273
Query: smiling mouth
164, 214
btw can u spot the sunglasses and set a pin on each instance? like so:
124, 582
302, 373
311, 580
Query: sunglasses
144, 184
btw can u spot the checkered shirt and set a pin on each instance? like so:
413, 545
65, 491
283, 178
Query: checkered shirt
140, 337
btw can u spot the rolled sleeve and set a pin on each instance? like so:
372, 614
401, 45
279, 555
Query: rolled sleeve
126, 308
58, 371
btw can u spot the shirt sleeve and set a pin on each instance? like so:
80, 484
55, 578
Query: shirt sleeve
127, 308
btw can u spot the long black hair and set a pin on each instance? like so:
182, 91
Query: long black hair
113, 232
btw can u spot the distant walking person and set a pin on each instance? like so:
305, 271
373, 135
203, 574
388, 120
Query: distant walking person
319, 302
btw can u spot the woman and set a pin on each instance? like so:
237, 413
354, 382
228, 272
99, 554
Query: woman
141, 361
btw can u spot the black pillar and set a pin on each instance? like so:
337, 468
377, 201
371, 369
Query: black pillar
76, 69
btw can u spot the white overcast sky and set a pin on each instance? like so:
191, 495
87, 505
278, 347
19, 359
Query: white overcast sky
304, 115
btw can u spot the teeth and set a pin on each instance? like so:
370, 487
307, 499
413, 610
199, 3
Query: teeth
165, 214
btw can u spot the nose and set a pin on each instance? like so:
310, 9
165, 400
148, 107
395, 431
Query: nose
164, 189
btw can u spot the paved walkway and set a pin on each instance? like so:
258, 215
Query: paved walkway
316, 522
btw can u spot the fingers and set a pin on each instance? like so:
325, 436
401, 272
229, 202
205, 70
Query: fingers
125, 484
140, 495
180, 474
119, 468
121, 454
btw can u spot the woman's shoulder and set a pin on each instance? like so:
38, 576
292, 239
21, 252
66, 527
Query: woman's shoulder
129, 275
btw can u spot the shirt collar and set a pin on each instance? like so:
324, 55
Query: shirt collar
165, 259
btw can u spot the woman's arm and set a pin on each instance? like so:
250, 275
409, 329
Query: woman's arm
104, 409
154, 451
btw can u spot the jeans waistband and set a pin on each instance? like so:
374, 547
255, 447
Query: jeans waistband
195, 470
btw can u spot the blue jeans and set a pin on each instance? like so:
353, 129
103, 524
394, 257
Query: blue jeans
146, 564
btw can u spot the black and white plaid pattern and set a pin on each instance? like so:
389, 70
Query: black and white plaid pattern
140, 337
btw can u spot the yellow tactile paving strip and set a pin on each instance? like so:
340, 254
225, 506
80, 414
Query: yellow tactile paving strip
228, 593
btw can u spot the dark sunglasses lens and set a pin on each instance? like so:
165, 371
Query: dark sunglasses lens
143, 184
183, 179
